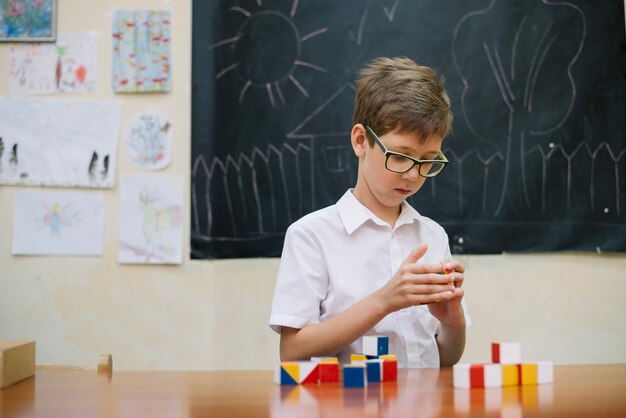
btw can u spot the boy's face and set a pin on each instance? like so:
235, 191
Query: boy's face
383, 187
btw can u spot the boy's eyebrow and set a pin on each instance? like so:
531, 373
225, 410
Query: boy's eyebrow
408, 150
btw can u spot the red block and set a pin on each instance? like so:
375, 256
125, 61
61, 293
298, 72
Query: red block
390, 367
477, 376
328, 372
495, 353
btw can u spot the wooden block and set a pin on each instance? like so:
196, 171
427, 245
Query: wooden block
357, 357
545, 372
477, 375
286, 373
105, 363
528, 374
17, 361
375, 345
510, 375
308, 372
492, 375
329, 370
373, 368
354, 376
390, 367
461, 376
506, 352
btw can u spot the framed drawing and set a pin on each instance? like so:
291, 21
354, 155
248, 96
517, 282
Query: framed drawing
28, 20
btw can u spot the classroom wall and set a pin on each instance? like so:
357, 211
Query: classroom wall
569, 308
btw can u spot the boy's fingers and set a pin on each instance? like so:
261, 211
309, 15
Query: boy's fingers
416, 255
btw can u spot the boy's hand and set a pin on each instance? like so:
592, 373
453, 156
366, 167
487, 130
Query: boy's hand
417, 284
450, 311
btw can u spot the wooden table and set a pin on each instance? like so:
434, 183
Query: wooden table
578, 391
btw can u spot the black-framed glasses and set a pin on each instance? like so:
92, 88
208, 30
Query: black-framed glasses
400, 163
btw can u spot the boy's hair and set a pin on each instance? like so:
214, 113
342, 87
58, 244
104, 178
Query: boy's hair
397, 93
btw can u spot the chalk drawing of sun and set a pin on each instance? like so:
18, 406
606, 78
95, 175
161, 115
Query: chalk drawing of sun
266, 51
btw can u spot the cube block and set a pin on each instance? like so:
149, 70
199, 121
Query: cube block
286, 373
510, 375
545, 372
328, 369
308, 372
374, 369
357, 357
354, 376
390, 367
375, 345
506, 352
17, 361
528, 374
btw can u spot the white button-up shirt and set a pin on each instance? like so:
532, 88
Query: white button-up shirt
336, 256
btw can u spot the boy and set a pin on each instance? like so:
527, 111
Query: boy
370, 264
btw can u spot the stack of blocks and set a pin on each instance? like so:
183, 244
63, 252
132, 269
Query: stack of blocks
506, 369
375, 364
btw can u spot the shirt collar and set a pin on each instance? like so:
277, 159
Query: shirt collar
353, 214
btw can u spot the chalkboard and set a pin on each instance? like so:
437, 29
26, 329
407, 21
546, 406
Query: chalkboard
537, 152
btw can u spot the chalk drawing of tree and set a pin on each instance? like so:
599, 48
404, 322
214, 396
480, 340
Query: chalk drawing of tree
528, 87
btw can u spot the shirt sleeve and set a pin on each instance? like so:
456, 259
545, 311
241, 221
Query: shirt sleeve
302, 281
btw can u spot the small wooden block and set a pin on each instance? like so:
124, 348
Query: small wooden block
354, 376
375, 345
390, 367
357, 357
17, 361
545, 372
510, 375
105, 363
286, 373
506, 352
308, 372
528, 374
374, 369
329, 370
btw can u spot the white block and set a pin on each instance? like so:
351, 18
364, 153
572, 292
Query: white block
493, 375
507, 352
545, 372
371, 344
461, 376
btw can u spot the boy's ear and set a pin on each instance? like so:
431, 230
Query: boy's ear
359, 140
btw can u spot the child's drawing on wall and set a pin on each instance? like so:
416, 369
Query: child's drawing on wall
67, 66
151, 219
58, 223
148, 140
141, 51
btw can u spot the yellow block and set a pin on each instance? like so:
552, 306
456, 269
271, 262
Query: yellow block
510, 375
388, 357
529, 374
329, 360
17, 361
357, 357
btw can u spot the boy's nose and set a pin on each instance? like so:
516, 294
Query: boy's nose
413, 174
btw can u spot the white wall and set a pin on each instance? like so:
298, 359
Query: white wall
569, 308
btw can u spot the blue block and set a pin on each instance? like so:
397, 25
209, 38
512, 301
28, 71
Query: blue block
354, 376
383, 345
374, 372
